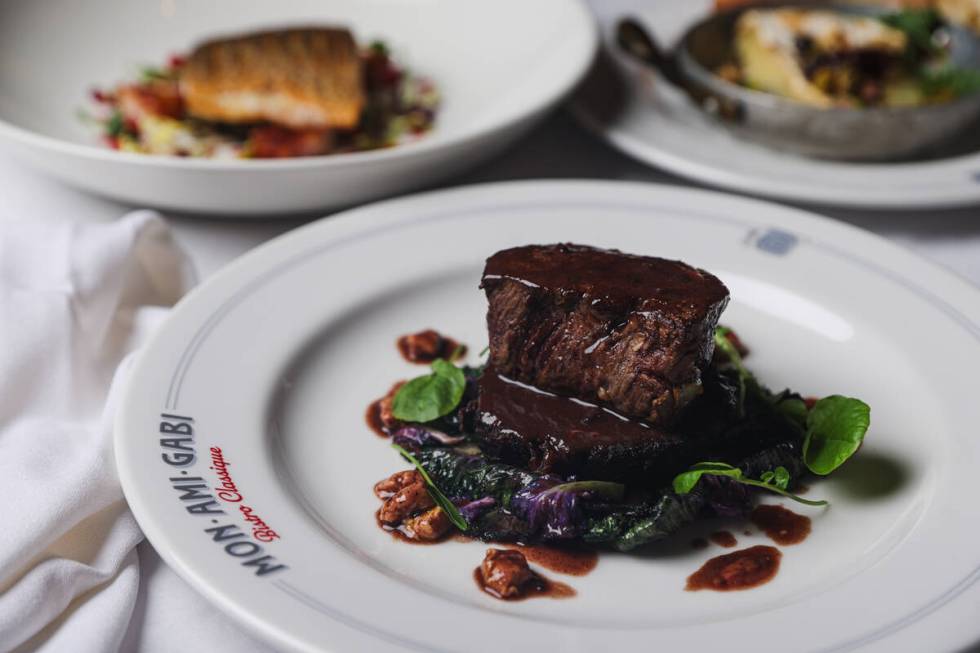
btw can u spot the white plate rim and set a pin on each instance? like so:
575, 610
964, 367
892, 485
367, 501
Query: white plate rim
958, 298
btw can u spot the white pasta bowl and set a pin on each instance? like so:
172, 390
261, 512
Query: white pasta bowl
499, 67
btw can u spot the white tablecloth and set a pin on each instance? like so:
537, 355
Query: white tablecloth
560, 149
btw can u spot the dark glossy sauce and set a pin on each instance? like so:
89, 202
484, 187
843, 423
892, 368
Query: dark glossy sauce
372, 416
724, 538
738, 570
538, 586
783, 526
607, 276
426, 346
565, 427
563, 560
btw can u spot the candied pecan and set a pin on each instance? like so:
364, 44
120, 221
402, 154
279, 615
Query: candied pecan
386, 488
505, 572
405, 502
430, 525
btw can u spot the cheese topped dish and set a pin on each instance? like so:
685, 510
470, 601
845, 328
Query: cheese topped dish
272, 94
827, 58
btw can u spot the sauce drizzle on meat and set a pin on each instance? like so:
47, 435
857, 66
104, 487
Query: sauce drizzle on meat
738, 570
783, 526
426, 346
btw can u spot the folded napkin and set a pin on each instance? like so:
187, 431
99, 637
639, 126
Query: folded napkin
74, 576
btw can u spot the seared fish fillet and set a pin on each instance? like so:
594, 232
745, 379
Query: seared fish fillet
300, 78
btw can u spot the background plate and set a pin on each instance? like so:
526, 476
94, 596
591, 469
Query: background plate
273, 362
651, 120
493, 90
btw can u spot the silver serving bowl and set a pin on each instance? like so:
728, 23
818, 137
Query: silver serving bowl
874, 133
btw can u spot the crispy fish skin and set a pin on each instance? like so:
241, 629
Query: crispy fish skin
299, 78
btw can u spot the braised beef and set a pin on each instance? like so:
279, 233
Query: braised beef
632, 333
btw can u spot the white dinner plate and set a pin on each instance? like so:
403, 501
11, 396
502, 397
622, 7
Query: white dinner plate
646, 117
499, 68
271, 364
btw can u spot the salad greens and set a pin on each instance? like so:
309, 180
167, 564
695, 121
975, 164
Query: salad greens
919, 26
949, 79
776, 480
431, 396
441, 500
835, 429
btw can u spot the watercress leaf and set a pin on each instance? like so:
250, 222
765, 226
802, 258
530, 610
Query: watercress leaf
685, 481
781, 477
777, 482
431, 396
440, 499
835, 428
714, 466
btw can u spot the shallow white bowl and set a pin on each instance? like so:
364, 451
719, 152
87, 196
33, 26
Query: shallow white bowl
499, 66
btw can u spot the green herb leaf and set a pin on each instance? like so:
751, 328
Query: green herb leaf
455, 516
919, 26
778, 477
685, 481
775, 481
952, 80
483, 352
114, 125
151, 73
429, 397
835, 428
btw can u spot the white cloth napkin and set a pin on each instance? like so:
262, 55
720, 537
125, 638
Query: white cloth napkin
74, 576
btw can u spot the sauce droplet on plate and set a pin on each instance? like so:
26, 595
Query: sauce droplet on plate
738, 570
783, 526
724, 538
